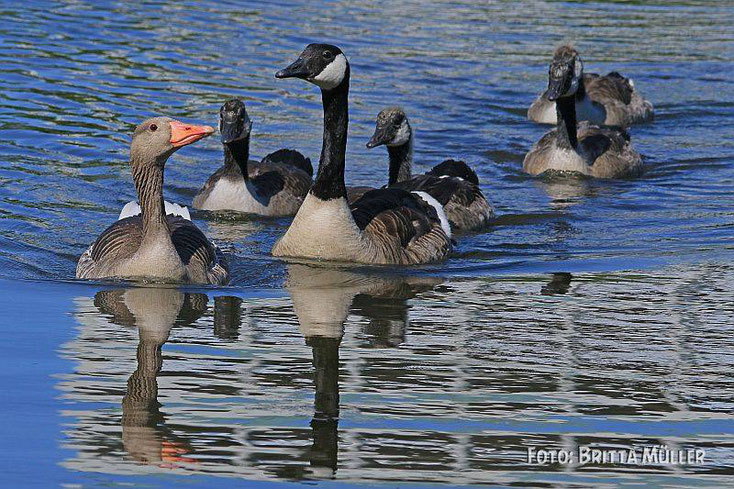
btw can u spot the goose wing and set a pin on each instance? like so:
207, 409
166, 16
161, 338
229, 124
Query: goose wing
455, 187
204, 261
355, 193
609, 151
607, 88
404, 227
288, 158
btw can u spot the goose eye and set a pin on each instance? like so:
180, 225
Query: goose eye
153, 127
327, 55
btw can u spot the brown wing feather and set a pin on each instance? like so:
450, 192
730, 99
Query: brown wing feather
403, 227
204, 262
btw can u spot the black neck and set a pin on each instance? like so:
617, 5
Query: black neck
238, 152
581, 90
329, 182
401, 158
566, 129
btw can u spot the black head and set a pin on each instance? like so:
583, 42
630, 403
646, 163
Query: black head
564, 73
234, 123
392, 128
321, 64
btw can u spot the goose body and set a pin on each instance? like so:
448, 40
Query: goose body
154, 245
383, 226
610, 100
452, 183
275, 186
584, 148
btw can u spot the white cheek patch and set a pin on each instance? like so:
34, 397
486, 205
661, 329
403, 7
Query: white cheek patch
331, 76
578, 72
402, 136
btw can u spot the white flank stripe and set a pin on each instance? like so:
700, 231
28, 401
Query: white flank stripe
439, 210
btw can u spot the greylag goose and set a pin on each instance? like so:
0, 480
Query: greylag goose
154, 245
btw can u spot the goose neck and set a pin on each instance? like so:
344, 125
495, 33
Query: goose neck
566, 129
148, 178
329, 182
401, 160
238, 153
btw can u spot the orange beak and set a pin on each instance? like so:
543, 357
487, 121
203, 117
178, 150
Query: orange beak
183, 134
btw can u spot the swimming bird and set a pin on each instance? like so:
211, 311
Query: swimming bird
587, 149
610, 100
154, 245
452, 183
276, 186
385, 226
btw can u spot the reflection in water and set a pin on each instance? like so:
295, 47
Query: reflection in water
322, 298
329, 379
559, 284
154, 311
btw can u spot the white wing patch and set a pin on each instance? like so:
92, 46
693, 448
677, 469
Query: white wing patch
439, 210
133, 209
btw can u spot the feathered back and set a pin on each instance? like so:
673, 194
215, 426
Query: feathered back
290, 157
455, 168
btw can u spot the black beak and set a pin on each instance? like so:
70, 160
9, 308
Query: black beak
233, 129
381, 136
297, 69
556, 88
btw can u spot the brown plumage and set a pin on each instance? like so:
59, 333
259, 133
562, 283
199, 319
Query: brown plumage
384, 226
153, 245
609, 99
601, 153
276, 186
452, 183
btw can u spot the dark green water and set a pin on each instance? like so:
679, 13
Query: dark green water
591, 314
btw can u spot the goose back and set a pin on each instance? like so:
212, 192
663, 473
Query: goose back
602, 153
114, 251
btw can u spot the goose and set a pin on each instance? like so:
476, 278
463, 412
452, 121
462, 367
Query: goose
586, 149
385, 226
610, 100
452, 183
276, 186
154, 245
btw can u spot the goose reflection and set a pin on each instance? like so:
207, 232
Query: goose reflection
566, 192
322, 298
155, 311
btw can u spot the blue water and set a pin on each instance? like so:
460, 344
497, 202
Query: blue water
591, 313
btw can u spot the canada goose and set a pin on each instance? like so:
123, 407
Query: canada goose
452, 183
385, 226
610, 100
276, 186
586, 149
153, 245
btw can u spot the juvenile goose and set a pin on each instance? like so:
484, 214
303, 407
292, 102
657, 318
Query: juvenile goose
590, 150
452, 183
276, 186
610, 100
153, 245
385, 226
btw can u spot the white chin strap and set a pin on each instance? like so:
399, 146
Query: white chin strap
331, 76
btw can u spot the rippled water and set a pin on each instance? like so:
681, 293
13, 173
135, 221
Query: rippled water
590, 313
